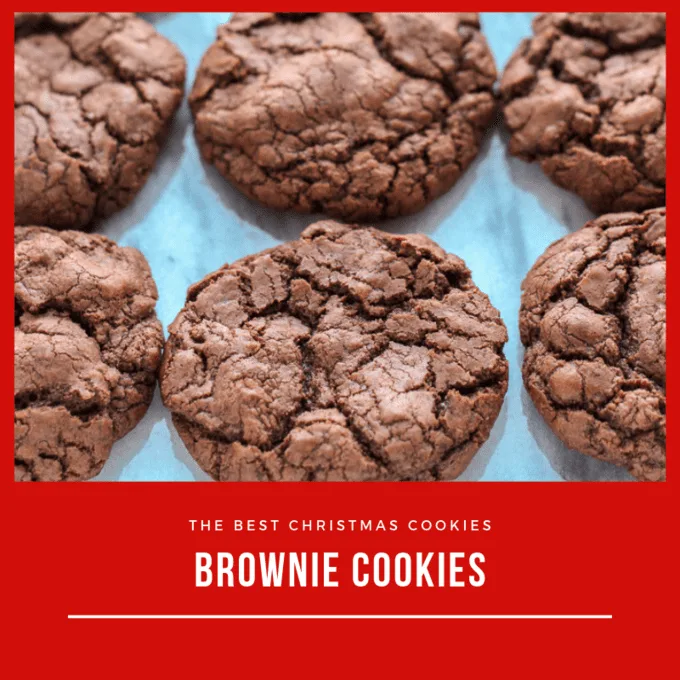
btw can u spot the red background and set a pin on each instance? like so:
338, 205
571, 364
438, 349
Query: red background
588, 548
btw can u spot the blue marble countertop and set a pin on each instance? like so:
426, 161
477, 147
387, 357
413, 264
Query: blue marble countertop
499, 218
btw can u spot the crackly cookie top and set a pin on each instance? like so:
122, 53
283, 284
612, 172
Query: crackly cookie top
593, 319
586, 96
350, 354
361, 116
87, 346
92, 94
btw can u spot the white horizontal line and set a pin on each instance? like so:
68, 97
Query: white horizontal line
339, 616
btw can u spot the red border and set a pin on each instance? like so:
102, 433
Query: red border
124, 547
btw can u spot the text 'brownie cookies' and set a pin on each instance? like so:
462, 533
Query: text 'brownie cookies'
593, 320
93, 95
586, 96
87, 346
358, 116
349, 354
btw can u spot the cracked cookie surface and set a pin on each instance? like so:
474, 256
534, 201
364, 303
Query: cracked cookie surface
87, 346
593, 321
349, 354
361, 116
586, 97
93, 95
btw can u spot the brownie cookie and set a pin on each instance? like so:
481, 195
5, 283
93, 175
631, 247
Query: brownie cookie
93, 95
586, 97
593, 321
361, 116
87, 346
350, 354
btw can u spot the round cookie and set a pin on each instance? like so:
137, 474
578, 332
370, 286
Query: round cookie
359, 116
593, 321
349, 354
586, 97
87, 346
93, 95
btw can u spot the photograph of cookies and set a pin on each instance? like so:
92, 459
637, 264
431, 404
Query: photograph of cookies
302, 268
593, 321
358, 116
94, 94
87, 346
347, 355
586, 98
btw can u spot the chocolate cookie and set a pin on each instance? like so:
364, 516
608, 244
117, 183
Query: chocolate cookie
87, 346
93, 94
593, 320
586, 97
361, 116
350, 354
